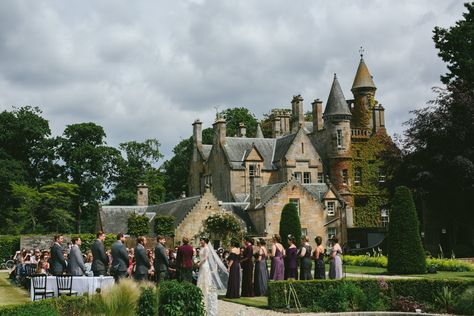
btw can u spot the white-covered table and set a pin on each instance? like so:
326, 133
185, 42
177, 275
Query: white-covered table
81, 284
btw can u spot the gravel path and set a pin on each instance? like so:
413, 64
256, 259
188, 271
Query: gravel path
233, 309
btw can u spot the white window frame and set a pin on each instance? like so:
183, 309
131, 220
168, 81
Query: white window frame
385, 217
320, 177
332, 231
345, 177
331, 210
307, 177
298, 176
252, 170
339, 138
358, 175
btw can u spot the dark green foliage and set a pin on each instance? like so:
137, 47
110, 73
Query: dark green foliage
67, 306
177, 169
235, 116
138, 167
88, 240
224, 227
177, 299
377, 293
405, 252
465, 302
138, 225
164, 225
8, 246
290, 224
148, 302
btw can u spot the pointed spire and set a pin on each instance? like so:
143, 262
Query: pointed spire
259, 131
336, 104
363, 79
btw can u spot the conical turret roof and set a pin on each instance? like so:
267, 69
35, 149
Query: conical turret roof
363, 79
259, 131
336, 104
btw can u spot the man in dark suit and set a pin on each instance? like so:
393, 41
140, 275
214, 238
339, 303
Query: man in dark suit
142, 264
76, 261
185, 261
57, 263
161, 263
120, 259
100, 261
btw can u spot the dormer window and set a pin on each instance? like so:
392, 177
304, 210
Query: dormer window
339, 138
331, 208
254, 170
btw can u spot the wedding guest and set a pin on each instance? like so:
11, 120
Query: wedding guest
120, 259
278, 267
233, 286
100, 261
318, 256
57, 263
225, 255
292, 255
261, 269
185, 261
161, 262
171, 254
88, 264
247, 268
41, 268
305, 255
141, 260
335, 265
76, 262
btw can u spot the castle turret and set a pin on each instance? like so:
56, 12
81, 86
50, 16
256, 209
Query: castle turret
337, 118
363, 90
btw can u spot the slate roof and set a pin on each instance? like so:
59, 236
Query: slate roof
267, 192
363, 79
317, 190
177, 208
282, 146
114, 218
206, 151
308, 126
237, 147
336, 104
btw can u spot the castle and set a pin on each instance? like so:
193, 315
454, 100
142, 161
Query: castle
330, 168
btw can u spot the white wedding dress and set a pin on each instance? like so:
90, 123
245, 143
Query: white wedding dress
212, 277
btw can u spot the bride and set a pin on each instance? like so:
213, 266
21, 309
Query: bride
212, 277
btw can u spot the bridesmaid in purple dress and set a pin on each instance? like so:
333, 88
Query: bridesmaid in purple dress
278, 267
292, 255
233, 286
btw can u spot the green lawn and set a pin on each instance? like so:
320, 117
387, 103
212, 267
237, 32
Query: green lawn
383, 271
259, 302
11, 294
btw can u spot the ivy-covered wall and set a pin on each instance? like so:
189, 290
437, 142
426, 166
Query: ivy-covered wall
370, 196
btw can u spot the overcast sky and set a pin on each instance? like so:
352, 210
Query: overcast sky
147, 69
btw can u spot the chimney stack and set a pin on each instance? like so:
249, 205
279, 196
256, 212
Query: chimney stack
142, 194
242, 130
219, 131
298, 113
276, 121
317, 115
197, 133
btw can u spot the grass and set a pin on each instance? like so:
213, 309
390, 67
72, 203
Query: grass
259, 301
383, 271
11, 294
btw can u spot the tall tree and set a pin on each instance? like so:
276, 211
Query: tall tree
138, 167
439, 145
235, 116
177, 169
91, 165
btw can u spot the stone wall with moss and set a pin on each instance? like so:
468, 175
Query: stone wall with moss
371, 195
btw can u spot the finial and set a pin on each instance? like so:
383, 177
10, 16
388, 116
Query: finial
361, 52
335, 76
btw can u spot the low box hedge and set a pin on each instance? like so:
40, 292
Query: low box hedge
311, 293
65, 305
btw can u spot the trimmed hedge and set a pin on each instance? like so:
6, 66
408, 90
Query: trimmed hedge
8, 246
65, 305
180, 298
405, 251
439, 264
378, 293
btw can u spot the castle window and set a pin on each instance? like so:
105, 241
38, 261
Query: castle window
381, 175
345, 177
331, 208
302, 148
339, 138
296, 202
358, 176
331, 233
320, 177
208, 180
307, 177
251, 170
304, 232
298, 176
385, 217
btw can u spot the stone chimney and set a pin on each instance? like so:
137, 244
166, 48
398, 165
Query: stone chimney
317, 115
297, 112
276, 125
142, 194
197, 133
242, 130
284, 123
219, 131
254, 191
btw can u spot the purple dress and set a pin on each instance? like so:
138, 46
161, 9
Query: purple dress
233, 286
292, 254
278, 267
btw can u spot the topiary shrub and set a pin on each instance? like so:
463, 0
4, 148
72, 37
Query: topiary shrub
290, 224
178, 299
148, 301
405, 252
138, 225
465, 302
164, 225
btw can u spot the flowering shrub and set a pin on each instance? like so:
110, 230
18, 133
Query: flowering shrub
223, 226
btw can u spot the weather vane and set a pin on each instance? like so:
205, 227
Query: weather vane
361, 52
